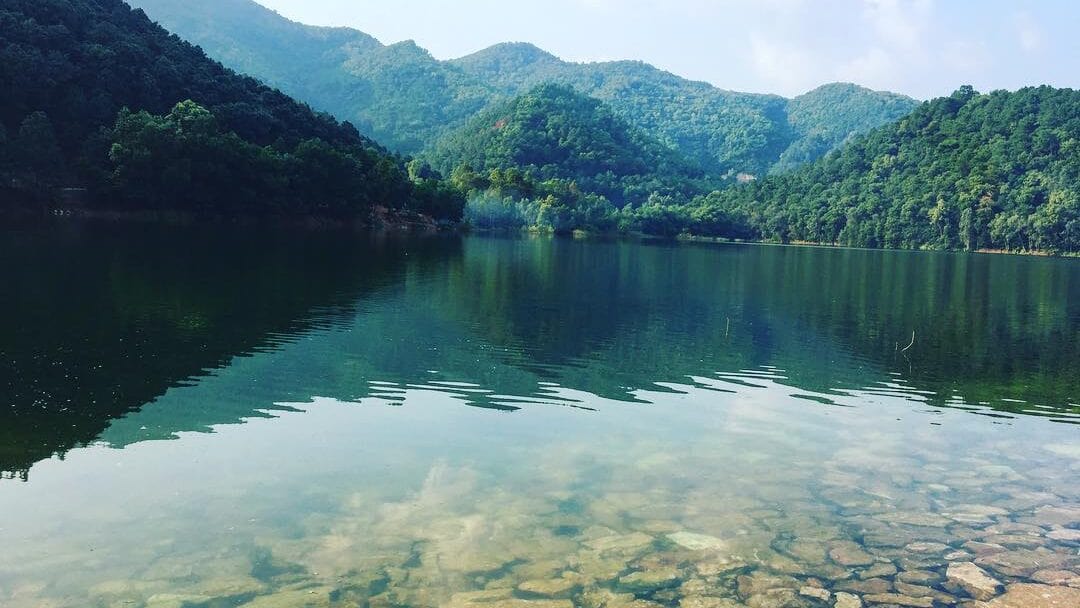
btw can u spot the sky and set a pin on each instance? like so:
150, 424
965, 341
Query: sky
923, 48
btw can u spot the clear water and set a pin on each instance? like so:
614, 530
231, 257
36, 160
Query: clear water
241, 418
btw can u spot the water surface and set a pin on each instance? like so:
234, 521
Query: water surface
236, 417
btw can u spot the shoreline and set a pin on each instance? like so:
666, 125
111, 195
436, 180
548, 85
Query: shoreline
383, 219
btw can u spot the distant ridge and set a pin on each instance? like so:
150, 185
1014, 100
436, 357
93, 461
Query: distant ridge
403, 97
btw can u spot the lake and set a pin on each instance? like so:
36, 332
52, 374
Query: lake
211, 418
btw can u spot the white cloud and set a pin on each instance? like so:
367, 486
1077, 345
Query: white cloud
790, 68
1028, 32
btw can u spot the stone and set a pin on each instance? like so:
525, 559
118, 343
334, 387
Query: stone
896, 599
548, 588
1057, 577
973, 580
298, 598
697, 601
874, 585
650, 580
1027, 595
604, 598
1021, 563
847, 600
230, 587
927, 548
878, 570
919, 577
719, 565
775, 598
981, 549
620, 543
1065, 534
847, 553
1014, 541
469, 599
760, 582
921, 591
697, 542
1061, 516
816, 592
174, 600
975, 514
928, 520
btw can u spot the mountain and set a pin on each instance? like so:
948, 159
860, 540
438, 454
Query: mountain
827, 117
407, 99
98, 95
397, 94
555, 133
725, 131
968, 171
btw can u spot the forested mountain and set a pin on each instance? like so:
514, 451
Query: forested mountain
97, 95
405, 98
397, 94
726, 132
555, 133
969, 171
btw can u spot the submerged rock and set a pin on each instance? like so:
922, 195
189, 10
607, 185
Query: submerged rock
848, 553
816, 592
847, 600
973, 580
650, 580
1022, 563
708, 602
300, 598
1027, 595
697, 542
620, 543
1065, 534
1057, 577
895, 599
878, 570
549, 588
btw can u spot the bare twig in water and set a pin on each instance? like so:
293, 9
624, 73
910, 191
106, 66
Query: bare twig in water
908, 347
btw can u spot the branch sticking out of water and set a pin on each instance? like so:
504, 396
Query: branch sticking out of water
908, 347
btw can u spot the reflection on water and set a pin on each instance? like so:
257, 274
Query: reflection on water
649, 424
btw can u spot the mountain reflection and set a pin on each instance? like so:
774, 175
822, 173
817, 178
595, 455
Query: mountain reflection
122, 335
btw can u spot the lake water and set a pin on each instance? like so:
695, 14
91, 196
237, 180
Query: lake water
243, 418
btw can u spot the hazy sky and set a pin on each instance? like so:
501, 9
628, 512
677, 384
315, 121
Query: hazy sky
924, 48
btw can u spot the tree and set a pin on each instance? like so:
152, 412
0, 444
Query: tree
38, 161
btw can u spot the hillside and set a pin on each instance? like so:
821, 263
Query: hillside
93, 94
555, 133
725, 131
969, 171
405, 98
398, 94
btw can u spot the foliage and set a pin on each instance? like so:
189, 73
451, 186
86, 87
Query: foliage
969, 171
405, 98
68, 68
554, 133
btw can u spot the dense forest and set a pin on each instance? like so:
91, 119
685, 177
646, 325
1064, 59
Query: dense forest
405, 98
969, 171
98, 96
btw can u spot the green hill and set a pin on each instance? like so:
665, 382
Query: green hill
96, 95
725, 131
555, 133
398, 94
969, 171
407, 99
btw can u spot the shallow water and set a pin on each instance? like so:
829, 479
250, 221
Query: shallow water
196, 418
